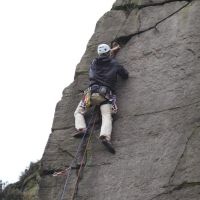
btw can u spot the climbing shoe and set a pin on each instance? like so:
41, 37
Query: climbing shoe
107, 144
80, 133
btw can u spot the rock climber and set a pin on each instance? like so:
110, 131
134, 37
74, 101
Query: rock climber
103, 74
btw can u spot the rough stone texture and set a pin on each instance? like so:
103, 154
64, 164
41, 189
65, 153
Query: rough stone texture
156, 132
139, 3
140, 20
117, 19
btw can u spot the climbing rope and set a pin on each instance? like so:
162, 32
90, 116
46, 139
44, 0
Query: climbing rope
68, 170
82, 161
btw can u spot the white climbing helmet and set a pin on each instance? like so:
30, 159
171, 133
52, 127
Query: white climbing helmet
103, 48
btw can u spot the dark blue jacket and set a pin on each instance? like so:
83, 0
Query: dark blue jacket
104, 71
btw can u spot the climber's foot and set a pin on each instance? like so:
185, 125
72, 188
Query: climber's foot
80, 133
107, 144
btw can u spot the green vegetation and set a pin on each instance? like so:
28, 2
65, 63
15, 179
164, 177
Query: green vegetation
27, 186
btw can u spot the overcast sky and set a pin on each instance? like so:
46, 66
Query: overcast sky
41, 42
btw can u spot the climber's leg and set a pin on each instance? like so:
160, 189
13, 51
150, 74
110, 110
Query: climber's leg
106, 127
80, 124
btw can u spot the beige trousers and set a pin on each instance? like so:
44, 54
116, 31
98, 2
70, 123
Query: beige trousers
106, 113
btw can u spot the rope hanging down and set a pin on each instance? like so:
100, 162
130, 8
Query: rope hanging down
82, 161
68, 170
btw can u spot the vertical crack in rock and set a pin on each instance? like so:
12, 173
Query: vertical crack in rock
182, 155
124, 39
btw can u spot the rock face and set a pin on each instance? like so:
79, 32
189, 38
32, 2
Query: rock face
156, 132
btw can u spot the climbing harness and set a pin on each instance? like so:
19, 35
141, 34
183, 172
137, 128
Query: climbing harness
97, 95
68, 170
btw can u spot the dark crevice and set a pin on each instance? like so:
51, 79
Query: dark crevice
47, 172
186, 185
124, 39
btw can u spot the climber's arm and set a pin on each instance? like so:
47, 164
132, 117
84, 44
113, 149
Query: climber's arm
122, 72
